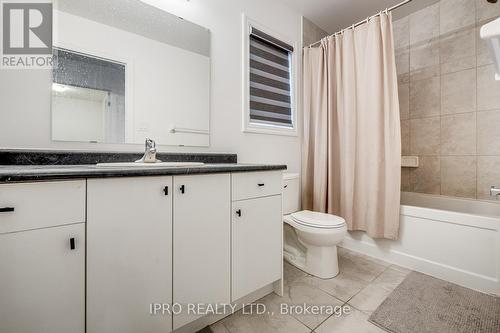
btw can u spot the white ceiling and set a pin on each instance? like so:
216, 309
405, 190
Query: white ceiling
333, 15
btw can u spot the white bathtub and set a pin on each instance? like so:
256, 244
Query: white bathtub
451, 238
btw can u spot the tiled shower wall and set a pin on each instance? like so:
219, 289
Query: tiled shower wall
311, 32
449, 99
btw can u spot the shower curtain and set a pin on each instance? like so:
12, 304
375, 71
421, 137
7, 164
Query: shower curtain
352, 134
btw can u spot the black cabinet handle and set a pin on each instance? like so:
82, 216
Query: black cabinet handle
261, 184
182, 189
285, 186
72, 243
6, 209
238, 212
165, 190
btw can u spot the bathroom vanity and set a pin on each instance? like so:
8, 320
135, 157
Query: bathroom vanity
90, 245
99, 246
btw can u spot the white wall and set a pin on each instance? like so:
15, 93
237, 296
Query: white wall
25, 95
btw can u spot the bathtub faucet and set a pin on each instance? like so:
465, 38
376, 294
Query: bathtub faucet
494, 192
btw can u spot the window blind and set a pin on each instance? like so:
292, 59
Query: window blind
270, 80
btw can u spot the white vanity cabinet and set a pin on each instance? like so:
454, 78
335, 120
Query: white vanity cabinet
129, 254
96, 255
257, 230
42, 257
155, 240
202, 253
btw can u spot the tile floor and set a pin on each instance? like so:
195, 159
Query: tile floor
363, 284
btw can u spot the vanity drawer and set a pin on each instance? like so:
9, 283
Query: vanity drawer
249, 185
25, 206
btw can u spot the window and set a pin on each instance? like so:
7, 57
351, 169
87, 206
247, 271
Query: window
269, 83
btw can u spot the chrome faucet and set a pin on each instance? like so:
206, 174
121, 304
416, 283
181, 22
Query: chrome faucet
494, 192
150, 152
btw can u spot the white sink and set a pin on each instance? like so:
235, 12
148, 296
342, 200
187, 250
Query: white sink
141, 164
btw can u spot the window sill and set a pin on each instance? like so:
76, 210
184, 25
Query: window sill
271, 131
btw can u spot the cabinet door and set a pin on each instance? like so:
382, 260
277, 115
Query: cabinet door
129, 254
202, 221
42, 280
256, 244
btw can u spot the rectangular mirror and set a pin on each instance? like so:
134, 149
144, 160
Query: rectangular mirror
125, 70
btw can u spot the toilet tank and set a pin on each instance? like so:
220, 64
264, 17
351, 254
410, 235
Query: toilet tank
291, 193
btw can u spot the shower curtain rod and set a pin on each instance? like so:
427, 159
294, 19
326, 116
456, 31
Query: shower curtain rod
365, 20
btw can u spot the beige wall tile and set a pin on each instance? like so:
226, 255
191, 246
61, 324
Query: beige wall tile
483, 53
404, 100
458, 134
446, 71
456, 14
404, 78
401, 33
424, 24
424, 57
425, 136
486, 10
405, 179
458, 92
488, 89
488, 133
458, 176
405, 137
457, 50
402, 61
459, 65
425, 98
488, 174
311, 32
427, 177
425, 73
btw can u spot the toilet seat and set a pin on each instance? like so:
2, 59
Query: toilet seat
318, 220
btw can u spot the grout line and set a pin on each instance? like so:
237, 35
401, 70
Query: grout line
476, 192
322, 322
440, 104
488, 110
385, 268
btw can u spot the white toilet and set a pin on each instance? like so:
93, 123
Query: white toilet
311, 238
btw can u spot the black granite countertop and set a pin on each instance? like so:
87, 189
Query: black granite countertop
19, 173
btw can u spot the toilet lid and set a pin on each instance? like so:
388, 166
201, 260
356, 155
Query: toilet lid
318, 220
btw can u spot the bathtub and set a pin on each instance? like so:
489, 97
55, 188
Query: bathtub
454, 239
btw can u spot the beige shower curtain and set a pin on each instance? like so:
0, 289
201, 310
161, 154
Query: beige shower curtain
352, 137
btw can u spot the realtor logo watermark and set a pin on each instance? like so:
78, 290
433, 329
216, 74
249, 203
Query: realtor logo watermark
26, 34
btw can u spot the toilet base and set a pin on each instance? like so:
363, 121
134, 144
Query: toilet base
321, 262
313, 250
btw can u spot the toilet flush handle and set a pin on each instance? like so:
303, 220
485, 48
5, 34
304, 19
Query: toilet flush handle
238, 212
